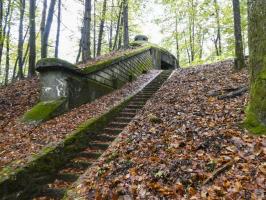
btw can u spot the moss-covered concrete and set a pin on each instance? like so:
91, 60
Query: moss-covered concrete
22, 181
43, 111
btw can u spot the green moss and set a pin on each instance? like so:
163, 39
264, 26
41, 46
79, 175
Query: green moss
252, 123
256, 110
43, 111
103, 64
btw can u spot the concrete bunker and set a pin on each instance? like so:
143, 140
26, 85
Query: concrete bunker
65, 86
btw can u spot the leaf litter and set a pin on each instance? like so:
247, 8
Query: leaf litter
184, 144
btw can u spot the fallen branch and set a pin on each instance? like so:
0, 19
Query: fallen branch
219, 171
233, 94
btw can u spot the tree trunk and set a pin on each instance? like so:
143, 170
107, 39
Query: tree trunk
256, 110
86, 36
117, 27
94, 29
111, 28
125, 17
2, 41
58, 29
43, 22
176, 41
20, 39
79, 51
218, 41
240, 60
46, 32
8, 48
99, 49
32, 40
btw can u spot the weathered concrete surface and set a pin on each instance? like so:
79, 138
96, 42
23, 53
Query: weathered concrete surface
63, 80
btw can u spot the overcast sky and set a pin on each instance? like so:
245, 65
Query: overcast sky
71, 21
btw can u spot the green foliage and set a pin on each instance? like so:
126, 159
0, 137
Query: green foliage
200, 16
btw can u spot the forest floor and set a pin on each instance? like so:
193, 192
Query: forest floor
19, 140
195, 149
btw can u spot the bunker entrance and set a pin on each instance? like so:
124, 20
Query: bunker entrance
166, 66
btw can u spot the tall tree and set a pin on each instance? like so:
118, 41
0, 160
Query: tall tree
111, 27
94, 29
100, 38
256, 111
118, 25
218, 39
86, 36
43, 21
239, 53
20, 38
47, 29
58, 28
8, 47
176, 38
32, 39
125, 17
3, 35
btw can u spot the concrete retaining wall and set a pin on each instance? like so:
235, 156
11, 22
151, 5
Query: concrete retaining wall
76, 86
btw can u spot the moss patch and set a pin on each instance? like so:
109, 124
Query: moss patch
43, 111
103, 64
252, 123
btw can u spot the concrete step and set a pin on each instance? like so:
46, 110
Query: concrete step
112, 131
134, 106
104, 138
120, 125
50, 193
67, 177
130, 110
127, 114
123, 119
92, 155
99, 145
78, 165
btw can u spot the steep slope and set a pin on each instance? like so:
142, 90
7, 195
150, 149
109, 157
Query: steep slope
186, 143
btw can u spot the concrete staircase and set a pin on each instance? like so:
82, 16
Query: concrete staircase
68, 174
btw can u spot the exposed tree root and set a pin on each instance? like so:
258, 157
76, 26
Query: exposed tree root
228, 93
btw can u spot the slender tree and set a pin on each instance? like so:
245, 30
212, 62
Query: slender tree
20, 39
125, 17
118, 26
32, 39
111, 28
256, 111
8, 48
3, 35
218, 39
47, 29
239, 53
58, 29
86, 36
43, 21
94, 28
102, 21
176, 38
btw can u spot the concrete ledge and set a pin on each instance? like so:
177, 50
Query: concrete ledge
44, 110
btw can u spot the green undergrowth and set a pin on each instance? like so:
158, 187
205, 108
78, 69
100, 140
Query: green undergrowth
43, 111
17, 179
